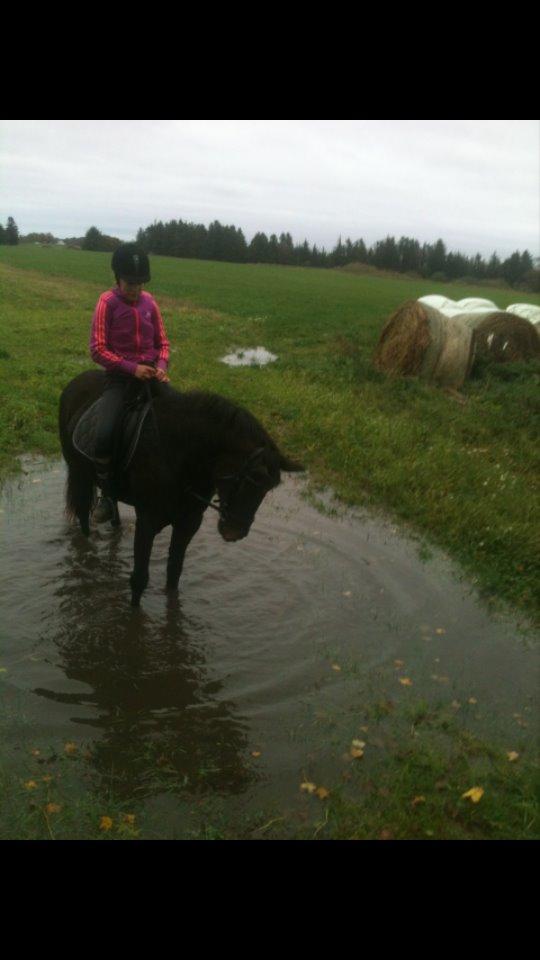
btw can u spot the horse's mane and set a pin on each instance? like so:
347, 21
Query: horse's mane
224, 414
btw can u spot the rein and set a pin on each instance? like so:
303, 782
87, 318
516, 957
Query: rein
238, 479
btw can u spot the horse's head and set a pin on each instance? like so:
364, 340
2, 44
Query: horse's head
242, 482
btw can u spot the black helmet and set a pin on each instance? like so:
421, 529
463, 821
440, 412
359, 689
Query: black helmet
130, 262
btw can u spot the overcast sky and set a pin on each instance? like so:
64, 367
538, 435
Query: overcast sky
474, 183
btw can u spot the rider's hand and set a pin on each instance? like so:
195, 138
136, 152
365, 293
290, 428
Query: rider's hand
161, 375
145, 373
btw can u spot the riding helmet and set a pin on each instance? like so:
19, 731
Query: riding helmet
130, 262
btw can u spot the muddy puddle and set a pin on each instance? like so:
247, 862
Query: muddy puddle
277, 653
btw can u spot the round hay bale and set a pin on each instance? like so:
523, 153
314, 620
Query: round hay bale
437, 302
502, 338
419, 341
476, 303
473, 318
529, 311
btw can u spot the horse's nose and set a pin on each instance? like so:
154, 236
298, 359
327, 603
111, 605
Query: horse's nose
232, 534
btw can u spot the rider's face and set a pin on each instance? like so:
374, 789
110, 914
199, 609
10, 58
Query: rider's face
131, 290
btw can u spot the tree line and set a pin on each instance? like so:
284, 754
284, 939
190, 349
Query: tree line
406, 255
195, 241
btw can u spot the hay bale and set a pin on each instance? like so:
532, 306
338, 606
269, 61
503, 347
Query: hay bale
529, 311
476, 303
437, 302
420, 341
502, 338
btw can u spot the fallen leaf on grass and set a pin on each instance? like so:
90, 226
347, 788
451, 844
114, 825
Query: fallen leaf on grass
513, 756
105, 824
357, 754
475, 795
36, 753
473, 701
129, 819
47, 779
310, 788
440, 632
418, 801
52, 808
456, 705
323, 793
31, 785
336, 668
256, 754
406, 682
399, 664
70, 749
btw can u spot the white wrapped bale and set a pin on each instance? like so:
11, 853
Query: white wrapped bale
529, 311
437, 302
476, 303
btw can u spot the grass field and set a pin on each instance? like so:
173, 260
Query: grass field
464, 472
461, 471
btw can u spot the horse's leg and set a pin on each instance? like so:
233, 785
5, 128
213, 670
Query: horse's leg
183, 532
80, 494
145, 532
116, 521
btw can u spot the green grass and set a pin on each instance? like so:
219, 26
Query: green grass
420, 761
464, 472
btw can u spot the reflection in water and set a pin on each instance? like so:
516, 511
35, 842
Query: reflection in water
161, 722
278, 646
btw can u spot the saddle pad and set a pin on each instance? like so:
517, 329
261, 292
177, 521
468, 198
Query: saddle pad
84, 434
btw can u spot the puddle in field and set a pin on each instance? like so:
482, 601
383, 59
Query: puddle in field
257, 357
275, 646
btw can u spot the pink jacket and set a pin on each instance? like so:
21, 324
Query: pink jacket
125, 334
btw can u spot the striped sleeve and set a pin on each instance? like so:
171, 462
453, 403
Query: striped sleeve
98, 341
160, 337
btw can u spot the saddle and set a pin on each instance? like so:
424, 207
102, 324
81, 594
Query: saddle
130, 428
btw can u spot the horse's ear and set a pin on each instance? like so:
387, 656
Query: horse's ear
290, 466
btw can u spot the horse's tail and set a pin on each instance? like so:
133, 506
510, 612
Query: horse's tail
80, 491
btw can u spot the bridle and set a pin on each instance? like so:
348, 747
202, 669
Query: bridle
237, 479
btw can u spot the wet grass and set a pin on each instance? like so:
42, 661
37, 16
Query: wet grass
412, 783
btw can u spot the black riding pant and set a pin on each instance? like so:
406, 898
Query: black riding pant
117, 391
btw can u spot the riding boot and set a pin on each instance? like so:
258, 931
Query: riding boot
105, 509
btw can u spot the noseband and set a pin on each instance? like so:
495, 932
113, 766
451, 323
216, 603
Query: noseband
237, 479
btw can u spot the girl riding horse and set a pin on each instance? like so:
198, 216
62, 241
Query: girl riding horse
128, 339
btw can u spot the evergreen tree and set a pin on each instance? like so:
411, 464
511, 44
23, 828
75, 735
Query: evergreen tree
2, 234
273, 249
512, 269
286, 249
338, 257
12, 232
494, 267
259, 249
360, 253
93, 239
436, 260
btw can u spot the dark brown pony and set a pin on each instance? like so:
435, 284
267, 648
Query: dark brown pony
193, 445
